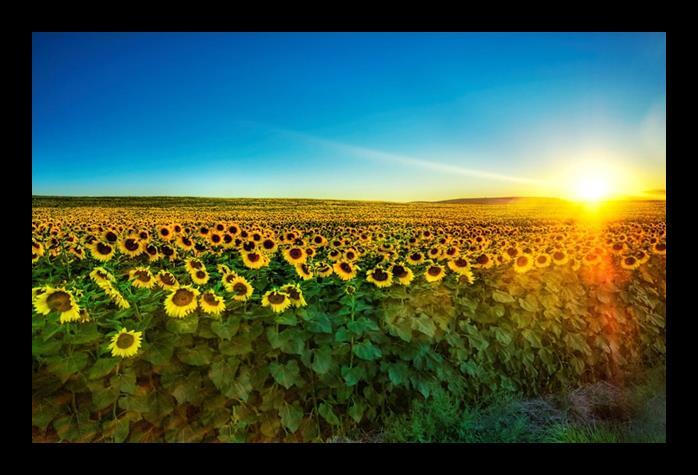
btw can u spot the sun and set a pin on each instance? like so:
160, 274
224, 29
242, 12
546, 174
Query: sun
592, 188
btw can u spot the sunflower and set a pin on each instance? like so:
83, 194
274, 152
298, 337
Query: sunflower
466, 277
642, 256
269, 245
483, 261
166, 280
560, 258
165, 233
169, 252
277, 300
319, 240
224, 269
523, 263
294, 255
77, 252
100, 276
131, 246
323, 269
402, 273
152, 251
576, 264
239, 287
345, 270
254, 260
629, 263
215, 239
58, 300
659, 248
415, 258
542, 260
199, 277
303, 271
184, 242
193, 265
591, 259
125, 343
295, 294
459, 265
334, 255
379, 277
351, 254
110, 236
211, 303
102, 251
618, 248
142, 278
181, 302
115, 296
434, 273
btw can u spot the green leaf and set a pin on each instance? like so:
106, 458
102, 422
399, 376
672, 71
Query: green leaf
85, 334
123, 427
367, 351
291, 416
104, 397
198, 356
532, 338
236, 346
287, 318
45, 348
322, 360
398, 373
502, 336
66, 366
188, 390
325, 410
501, 297
182, 325
352, 376
102, 368
226, 329
159, 353
286, 374
126, 381
222, 373
43, 415
320, 323
356, 411
423, 324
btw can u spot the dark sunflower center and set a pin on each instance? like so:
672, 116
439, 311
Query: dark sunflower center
617, 247
590, 257
318, 239
210, 299
541, 259
183, 297
227, 238
151, 250
380, 275
350, 255
483, 259
240, 288
276, 298
104, 249
416, 256
630, 260
167, 250
59, 301
167, 279
295, 253
196, 264
131, 244
460, 262
229, 278
200, 274
293, 293
220, 227
345, 267
110, 236
268, 244
511, 251
304, 269
558, 256
143, 276
125, 341
434, 271
248, 246
216, 238
253, 257
399, 271
165, 232
143, 235
661, 247
522, 261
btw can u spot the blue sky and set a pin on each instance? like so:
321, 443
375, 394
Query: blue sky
379, 116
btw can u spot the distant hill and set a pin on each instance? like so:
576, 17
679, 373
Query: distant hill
501, 200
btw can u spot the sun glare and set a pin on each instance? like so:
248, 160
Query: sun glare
592, 188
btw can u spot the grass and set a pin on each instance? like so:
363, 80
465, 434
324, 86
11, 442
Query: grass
444, 419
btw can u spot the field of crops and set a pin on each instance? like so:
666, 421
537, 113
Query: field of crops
295, 320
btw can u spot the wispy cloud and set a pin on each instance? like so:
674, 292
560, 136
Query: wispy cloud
373, 154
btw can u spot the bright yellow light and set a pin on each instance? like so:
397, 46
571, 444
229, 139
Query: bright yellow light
592, 188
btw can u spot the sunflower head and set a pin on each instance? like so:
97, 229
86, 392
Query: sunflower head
277, 300
126, 343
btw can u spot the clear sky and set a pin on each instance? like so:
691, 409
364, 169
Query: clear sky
379, 116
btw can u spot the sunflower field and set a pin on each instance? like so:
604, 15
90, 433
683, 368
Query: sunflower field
193, 320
